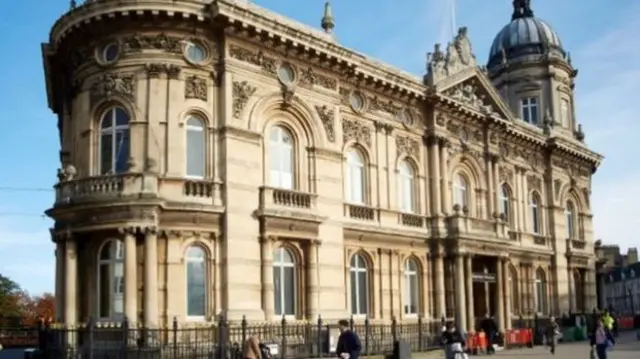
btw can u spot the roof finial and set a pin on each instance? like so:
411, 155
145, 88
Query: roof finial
521, 9
73, 4
328, 23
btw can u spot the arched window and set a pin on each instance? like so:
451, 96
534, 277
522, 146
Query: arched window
541, 292
355, 184
111, 280
569, 215
460, 191
406, 187
513, 290
534, 205
411, 287
359, 285
281, 161
196, 282
284, 282
505, 202
196, 153
114, 141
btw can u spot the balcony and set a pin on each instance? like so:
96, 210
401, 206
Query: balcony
360, 212
280, 202
576, 245
411, 220
105, 188
539, 240
186, 191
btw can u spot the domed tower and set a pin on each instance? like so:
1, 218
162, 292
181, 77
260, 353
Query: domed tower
533, 72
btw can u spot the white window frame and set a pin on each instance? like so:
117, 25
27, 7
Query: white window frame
569, 215
355, 177
112, 130
535, 213
406, 187
409, 274
281, 265
527, 104
461, 191
201, 127
540, 293
355, 268
280, 147
116, 257
505, 202
194, 259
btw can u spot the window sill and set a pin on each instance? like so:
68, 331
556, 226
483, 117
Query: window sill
196, 319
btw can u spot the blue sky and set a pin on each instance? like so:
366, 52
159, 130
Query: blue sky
600, 37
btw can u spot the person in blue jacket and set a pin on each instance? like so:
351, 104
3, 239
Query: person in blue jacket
349, 346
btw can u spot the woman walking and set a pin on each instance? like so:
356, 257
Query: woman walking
601, 340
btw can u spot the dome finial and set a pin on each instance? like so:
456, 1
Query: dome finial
328, 23
521, 9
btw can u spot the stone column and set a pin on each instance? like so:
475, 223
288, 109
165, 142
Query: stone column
435, 173
590, 290
507, 293
572, 290
523, 201
441, 309
500, 294
151, 315
517, 194
444, 169
427, 303
71, 281
268, 305
471, 322
130, 277
461, 310
60, 281
313, 309
496, 184
490, 186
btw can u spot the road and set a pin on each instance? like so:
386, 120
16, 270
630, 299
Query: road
627, 347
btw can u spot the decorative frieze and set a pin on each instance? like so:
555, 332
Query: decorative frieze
505, 175
139, 42
534, 183
309, 77
196, 88
155, 69
111, 84
357, 131
327, 117
407, 145
242, 91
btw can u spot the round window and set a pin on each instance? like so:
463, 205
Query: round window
286, 75
407, 118
463, 134
110, 53
196, 53
357, 101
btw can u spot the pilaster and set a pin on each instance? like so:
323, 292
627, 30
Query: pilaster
130, 276
312, 281
268, 302
439, 280
460, 296
71, 282
151, 316
444, 172
469, 287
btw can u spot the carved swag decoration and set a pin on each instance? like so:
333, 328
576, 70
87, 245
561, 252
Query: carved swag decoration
356, 131
139, 42
408, 145
111, 84
242, 91
196, 88
269, 65
327, 117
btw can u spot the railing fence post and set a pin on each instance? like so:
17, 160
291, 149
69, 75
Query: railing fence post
319, 336
174, 339
283, 346
243, 328
420, 335
125, 339
351, 322
90, 337
367, 329
394, 328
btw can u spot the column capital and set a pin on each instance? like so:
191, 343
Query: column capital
130, 230
316, 242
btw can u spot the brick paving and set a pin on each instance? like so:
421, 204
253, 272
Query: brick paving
627, 347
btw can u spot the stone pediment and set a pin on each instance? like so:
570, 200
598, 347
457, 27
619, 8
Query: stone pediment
476, 92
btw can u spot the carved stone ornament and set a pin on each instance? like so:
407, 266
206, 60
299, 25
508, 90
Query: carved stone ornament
377, 104
195, 87
327, 117
467, 94
441, 120
356, 131
534, 183
310, 78
268, 64
505, 175
242, 91
138, 42
459, 56
67, 173
408, 145
111, 84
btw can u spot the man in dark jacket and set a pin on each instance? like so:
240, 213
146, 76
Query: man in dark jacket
349, 346
488, 325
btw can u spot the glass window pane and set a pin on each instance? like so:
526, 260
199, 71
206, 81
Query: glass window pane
104, 291
289, 291
414, 292
277, 290
122, 118
106, 153
354, 292
196, 288
195, 153
122, 151
363, 293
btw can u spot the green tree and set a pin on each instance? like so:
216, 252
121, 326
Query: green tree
9, 298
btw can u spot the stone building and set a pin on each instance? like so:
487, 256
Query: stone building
218, 158
621, 289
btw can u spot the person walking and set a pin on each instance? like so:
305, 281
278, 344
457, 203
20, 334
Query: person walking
349, 346
252, 348
490, 329
601, 339
454, 343
552, 332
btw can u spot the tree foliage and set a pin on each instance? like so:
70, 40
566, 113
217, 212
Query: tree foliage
17, 307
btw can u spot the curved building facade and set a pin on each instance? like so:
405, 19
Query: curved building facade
220, 159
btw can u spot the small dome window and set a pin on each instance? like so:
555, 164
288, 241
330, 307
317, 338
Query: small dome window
195, 53
110, 53
286, 74
357, 101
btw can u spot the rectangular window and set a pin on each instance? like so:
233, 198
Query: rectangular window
529, 110
564, 113
122, 151
195, 152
